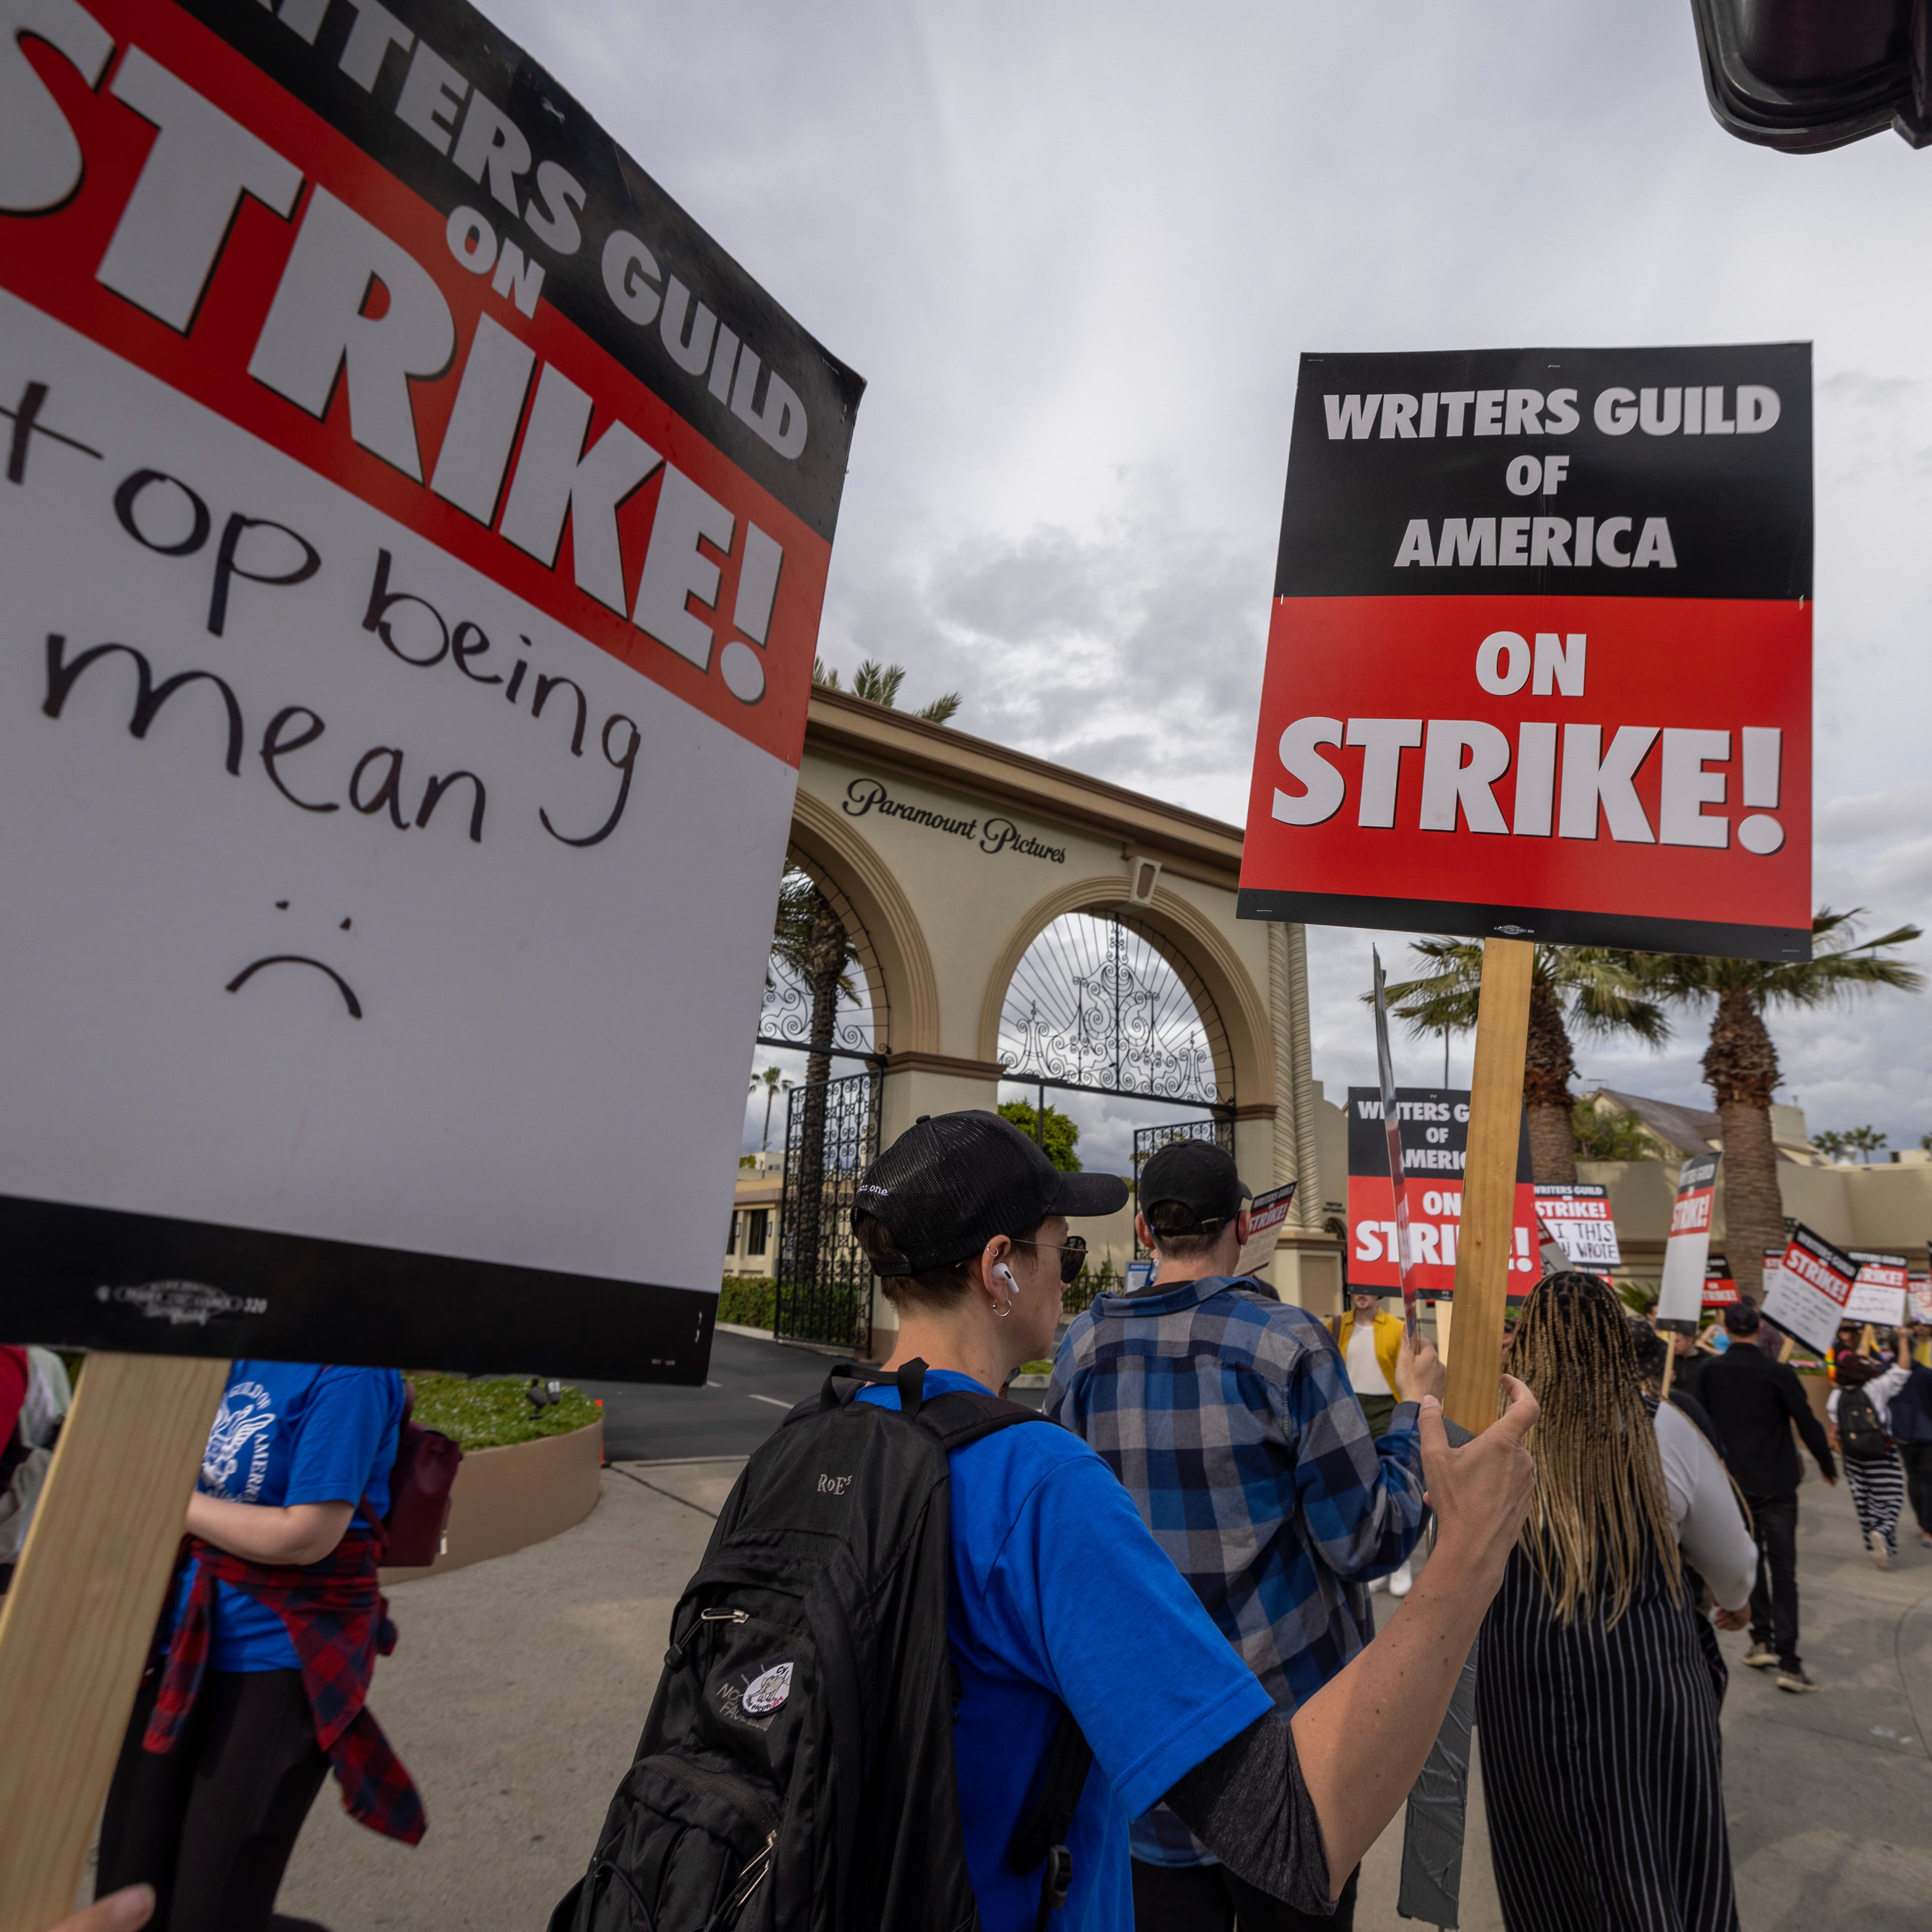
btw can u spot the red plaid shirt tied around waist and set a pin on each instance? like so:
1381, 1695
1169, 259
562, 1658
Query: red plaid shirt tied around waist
338, 1622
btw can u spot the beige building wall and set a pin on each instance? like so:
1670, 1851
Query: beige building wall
948, 904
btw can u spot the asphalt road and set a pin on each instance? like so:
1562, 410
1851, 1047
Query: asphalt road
752, 1384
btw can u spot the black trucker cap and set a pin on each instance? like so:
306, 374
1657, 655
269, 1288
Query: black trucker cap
1196, 1175
951, 1182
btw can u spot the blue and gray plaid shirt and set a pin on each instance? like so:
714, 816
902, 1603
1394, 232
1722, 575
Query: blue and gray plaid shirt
1228, 1418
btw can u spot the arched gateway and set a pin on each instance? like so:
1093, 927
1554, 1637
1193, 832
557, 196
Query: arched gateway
1009, 920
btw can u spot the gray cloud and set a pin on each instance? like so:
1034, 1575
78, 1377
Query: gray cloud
1076, 251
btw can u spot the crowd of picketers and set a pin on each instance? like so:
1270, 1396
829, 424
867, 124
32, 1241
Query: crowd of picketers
1122, 1672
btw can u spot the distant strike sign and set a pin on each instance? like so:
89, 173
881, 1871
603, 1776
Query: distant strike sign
1584, 578
1687, 1247
1814, 1282
1434, 1128
1579, 1216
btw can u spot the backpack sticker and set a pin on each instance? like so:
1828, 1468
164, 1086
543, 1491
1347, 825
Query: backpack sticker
767, 1692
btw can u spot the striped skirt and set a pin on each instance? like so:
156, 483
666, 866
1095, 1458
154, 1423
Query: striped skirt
1877, 1483
1601, 1773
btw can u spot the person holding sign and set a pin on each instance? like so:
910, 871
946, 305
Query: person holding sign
266, 1651
1860, 1410
1230, 1421
1754, 1401
1598, 1707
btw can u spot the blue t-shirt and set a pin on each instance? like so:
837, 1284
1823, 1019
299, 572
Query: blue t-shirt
289, 1432
1060, 1596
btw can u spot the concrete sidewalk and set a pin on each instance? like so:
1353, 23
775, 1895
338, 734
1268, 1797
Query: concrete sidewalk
519, 1686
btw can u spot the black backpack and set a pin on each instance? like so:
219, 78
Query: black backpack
1861, 1434
795, 1772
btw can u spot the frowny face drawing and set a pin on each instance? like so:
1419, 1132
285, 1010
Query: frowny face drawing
349, 1000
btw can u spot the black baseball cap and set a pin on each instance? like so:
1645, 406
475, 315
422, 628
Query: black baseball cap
951, 1182
1196, 1175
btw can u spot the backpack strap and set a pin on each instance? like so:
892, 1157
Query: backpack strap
1041, 1835
958, 1416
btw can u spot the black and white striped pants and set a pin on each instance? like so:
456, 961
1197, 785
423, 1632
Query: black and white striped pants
1877, 1484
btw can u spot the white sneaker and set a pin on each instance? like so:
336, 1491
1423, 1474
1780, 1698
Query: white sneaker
1880, 1555
1403, 1581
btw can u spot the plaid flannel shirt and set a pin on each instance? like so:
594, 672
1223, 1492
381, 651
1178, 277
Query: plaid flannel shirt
1229, 1419
338, 1622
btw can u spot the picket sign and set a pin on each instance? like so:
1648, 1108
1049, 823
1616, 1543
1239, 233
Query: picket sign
246, 1111
75, 1628
1483, 1254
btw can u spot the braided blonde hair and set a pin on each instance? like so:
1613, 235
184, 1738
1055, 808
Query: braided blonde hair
1601, 1507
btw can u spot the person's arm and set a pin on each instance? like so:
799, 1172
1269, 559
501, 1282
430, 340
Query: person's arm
1364, 1735
1250, 1804
1709, 1525
1329, 1780
1359, 1499
123, 1911
302, 1533
1882, 1388
1810, 1431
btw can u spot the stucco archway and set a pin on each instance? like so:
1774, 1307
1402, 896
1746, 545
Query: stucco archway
831, 847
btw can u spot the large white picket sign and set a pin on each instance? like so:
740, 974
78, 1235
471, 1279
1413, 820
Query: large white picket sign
400, 701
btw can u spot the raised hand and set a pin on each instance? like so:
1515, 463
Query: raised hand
1419, 1370
1481, 1492
120, 1911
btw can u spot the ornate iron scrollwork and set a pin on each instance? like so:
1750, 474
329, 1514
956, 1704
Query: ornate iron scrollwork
1094, 1005
784, 1018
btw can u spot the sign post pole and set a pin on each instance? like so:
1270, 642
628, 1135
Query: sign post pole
1486, 1245
75, 1627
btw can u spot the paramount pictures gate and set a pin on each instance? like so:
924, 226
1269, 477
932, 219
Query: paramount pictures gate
824, 1284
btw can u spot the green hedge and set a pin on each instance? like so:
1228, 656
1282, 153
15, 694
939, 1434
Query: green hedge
489, 1415
747, 1300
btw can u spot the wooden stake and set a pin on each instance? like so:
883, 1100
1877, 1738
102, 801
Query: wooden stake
74, 1629
1670, 1363
1486, 1244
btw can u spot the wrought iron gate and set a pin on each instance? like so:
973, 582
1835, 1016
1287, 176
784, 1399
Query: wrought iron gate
824, 1287
1220, 1130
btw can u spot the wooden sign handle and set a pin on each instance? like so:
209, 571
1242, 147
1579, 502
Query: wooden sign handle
75, 1628
1485, 1242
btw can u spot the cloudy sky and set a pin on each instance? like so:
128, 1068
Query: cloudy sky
1076, 249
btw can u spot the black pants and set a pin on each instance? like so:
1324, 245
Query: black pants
1917, 1457
211, 1824
1773, 1604
1211, 1898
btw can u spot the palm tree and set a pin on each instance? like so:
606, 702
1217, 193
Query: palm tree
1866, 1141
768, 1078
879, 684
1741, 1063
810, 939
1583, 989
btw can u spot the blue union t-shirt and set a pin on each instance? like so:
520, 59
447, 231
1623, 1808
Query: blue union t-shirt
289, 1432
1060, 1596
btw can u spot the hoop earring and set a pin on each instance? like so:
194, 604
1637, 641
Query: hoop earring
1002, 1313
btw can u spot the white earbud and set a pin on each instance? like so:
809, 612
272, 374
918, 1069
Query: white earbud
1002, 1272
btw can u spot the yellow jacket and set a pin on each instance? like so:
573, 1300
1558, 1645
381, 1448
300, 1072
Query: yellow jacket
1388, 1340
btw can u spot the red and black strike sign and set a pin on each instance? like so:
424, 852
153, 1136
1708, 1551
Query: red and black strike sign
1720, 1287
1435, 1123
1540, 658
1814, 1282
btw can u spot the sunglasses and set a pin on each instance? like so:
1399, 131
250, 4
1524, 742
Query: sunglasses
1072, 1256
